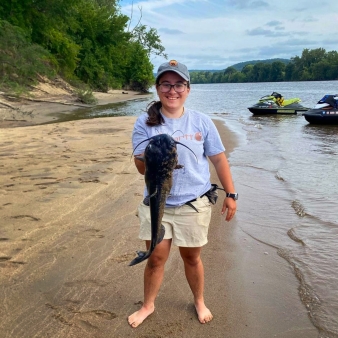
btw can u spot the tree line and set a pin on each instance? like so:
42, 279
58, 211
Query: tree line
312, 65
85, 41
91, 44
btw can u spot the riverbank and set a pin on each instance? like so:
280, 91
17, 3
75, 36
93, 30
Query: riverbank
44, 105
68, 195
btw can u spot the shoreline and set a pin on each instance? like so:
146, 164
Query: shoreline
68, 196
43, 108
261, 290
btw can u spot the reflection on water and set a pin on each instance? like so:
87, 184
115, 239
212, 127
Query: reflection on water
322, 131
287, 176
128, 108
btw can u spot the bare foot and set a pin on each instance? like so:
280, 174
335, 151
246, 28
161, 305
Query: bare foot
139, 316
203, 313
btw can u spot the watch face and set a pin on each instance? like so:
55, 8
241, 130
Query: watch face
234, 196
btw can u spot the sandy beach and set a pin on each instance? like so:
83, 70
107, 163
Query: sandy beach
48, 100
68, 196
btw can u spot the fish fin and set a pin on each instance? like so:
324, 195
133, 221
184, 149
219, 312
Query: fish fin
141, 256
161, 235
179, 166
146, 201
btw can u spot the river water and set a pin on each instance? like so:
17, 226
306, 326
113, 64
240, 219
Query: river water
286, 173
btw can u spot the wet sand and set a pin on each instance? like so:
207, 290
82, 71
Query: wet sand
48, 105
68, 195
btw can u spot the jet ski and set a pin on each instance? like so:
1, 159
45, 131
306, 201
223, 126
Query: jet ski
276, 104
324, 112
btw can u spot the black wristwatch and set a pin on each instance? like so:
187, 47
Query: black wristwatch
232, 195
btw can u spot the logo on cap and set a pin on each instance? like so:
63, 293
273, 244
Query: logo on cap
173, 63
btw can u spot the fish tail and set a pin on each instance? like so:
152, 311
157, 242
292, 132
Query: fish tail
141, 256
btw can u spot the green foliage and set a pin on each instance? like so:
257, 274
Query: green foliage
21, 62
87, 40
313, 65
86, 96
139, 71
149, 39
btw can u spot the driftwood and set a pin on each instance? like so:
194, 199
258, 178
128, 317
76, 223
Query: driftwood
7, 105
39, 100
57, 102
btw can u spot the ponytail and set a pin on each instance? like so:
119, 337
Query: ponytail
154, 116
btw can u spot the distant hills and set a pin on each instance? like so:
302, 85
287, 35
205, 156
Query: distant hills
239, 66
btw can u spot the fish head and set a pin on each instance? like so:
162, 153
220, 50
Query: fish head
161, 149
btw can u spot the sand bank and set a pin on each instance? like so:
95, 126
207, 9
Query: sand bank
68, 195
46, 103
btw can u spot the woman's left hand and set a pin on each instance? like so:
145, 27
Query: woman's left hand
229, 206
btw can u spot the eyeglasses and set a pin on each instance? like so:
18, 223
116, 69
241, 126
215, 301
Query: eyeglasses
178, 87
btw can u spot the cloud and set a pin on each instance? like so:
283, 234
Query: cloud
248, 4
170, 31
266, 32
274, 23
214, 34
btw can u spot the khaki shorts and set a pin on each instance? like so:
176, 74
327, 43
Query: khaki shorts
184, 225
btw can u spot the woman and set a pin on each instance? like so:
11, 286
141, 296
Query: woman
187, 213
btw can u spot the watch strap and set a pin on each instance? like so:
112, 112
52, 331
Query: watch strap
232, 195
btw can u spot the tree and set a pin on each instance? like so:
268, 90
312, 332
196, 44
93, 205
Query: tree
21, 62
89, 39
277, 71
248, 72
228, 74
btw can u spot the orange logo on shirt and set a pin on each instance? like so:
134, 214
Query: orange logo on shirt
198, 136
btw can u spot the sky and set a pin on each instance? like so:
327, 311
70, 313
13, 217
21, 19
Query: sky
216, 34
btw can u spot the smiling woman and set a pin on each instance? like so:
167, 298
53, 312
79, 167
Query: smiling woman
187, 209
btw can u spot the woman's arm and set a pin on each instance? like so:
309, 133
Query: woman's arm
139, 164
222, 167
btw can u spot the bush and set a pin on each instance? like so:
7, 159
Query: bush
21, 62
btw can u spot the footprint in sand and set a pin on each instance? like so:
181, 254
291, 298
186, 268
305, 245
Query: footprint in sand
86, 282
93, 180
32, 218
4, 258
123, 258
82, 317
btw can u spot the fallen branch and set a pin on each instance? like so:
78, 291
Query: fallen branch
58, 102
40, 100
7, 105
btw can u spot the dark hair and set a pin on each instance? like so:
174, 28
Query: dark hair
154, 116
153, 110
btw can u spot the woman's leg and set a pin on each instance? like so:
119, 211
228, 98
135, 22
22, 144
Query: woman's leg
153, 276
194, 272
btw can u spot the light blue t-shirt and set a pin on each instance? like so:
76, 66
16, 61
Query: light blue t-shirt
196, 131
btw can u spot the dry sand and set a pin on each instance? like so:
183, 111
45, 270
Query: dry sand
68, 195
